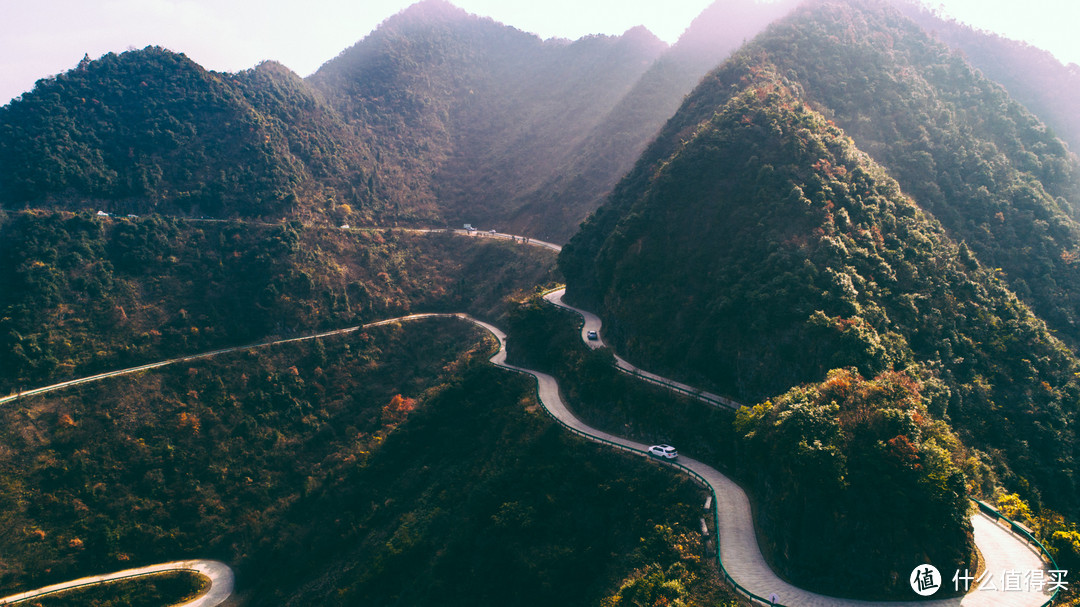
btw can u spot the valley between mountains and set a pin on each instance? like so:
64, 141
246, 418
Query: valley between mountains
842, 239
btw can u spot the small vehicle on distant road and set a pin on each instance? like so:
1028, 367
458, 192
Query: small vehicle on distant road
592, 336
664, 452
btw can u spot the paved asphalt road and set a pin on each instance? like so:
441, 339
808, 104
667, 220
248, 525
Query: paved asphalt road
592, 323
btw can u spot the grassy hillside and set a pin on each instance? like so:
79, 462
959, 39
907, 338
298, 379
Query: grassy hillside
88, 295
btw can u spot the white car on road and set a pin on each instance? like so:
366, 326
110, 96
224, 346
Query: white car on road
664, 451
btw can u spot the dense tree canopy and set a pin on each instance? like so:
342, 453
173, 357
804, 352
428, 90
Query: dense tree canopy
755, 247
956, 142
856, 470
1032, 75
89, 295
151, 130
390, 467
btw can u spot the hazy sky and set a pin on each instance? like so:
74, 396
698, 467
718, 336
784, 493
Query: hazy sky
39, 38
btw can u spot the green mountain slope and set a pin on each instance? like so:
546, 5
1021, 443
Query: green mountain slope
610, 150
755, 247
396, 466
436, 116
151, 131
984, 166
955, 141
87, 295
1032, 76
856, 470
467, 114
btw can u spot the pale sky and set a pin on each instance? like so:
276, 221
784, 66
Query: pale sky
40, 38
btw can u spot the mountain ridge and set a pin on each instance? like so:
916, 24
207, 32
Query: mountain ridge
438, 116
1047, 86
595, 168
757, 246
504, 103
152, 131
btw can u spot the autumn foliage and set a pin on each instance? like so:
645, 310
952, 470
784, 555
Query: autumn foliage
852, 468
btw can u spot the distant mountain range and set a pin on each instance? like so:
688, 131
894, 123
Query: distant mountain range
437, 116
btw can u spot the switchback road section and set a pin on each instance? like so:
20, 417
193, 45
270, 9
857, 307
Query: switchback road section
1003, 551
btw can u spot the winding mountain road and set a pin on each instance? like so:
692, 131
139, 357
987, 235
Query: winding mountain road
489, 234
1004, 553
592, 322
194, 357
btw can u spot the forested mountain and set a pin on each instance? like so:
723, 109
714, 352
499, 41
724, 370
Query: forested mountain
845, 223
955, 141
595, 166
441, 116
481, 122
152, 131
437, 116
84, 295
393, 466
993, 178
468, 114
1033, 76
762, 241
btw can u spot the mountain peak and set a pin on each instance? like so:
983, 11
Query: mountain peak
432, 10
641, 35
711, 32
